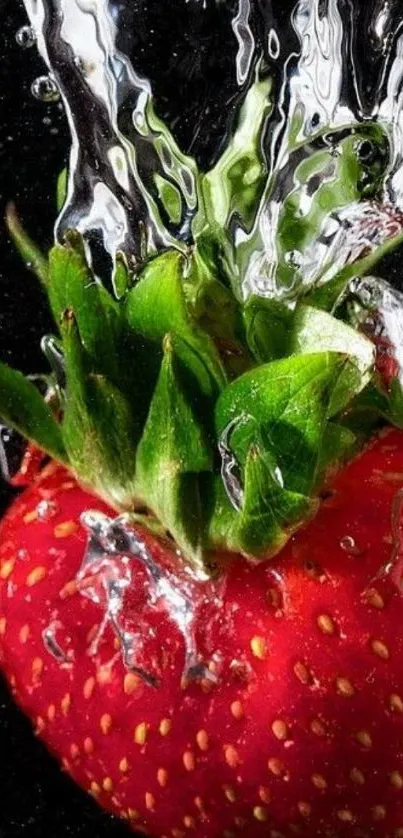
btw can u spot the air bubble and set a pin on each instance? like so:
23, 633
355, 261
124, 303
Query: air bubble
45, 89
273, 45
25, 37
348, 544
293, 258
46, 510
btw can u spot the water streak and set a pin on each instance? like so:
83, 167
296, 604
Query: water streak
246, 41
119, 148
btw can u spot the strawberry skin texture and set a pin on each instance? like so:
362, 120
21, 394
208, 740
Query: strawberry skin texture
302, 734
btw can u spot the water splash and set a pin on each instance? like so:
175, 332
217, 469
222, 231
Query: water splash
382, 319
52, 645
321, 113
132, 189
120, 151
106, 577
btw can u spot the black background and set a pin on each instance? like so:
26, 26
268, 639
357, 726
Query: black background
189, 53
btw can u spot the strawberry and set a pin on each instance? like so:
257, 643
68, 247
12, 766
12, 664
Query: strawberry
297, 729
201, 591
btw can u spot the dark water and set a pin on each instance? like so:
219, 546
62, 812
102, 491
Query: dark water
189, 56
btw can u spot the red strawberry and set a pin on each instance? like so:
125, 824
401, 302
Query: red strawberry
302, 731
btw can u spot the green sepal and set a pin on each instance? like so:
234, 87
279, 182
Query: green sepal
179, 184
268, 324
275, 331
279, 415
61, 189
23, 408
214, 308
340, 444
174, 457
73, 288
156, 306
28, 250
375, 400
314, 330
269, 515
287, 404
271, 512
170, 197
99, 429
121, 276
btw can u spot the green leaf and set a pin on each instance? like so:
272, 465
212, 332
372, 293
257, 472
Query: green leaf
283, 445
269, 515
234, 185
178, 185
156, 306
23, 408
99, 430
173, 457
170, 197
29, 251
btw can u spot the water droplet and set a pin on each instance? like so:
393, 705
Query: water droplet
25, 37
293, 258
45, 89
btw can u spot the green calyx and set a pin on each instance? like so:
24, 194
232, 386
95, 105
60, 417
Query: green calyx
212, 419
